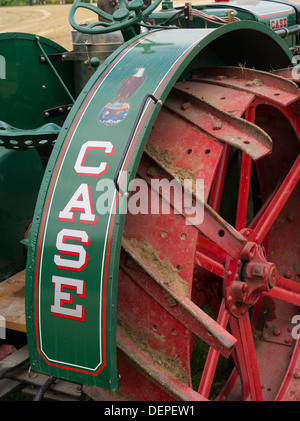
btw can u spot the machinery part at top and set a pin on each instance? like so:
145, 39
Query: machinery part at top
121, 19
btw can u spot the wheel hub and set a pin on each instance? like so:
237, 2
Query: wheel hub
247, 278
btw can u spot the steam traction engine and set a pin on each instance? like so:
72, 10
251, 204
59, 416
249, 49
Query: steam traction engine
111, 295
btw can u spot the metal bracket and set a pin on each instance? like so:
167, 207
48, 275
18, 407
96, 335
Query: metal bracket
61, 109
188, 17
66, 56
137, 120
277, 331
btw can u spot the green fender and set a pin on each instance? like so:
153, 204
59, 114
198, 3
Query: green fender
75, 241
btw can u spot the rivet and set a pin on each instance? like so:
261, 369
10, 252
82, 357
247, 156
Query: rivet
288, 340
297, 374
276, 331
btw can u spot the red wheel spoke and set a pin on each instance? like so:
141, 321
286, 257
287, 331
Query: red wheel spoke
212, 357
243, 192
217, 189
286, 290
275, 206
209, 264
244, 184
246, 358
204, 245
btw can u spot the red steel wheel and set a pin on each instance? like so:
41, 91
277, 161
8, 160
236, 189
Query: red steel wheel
231, 280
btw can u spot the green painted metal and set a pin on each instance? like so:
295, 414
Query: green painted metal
75, 241
124, 18
21, 175
30, 85
27, 88
13, 138
273, 15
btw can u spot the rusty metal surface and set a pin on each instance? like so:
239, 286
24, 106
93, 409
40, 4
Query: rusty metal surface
289, 73
215, 227
182, 308
222, 126
224, 98
167, 383
266, 85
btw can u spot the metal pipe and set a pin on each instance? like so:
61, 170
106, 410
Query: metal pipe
44, 388
291, 30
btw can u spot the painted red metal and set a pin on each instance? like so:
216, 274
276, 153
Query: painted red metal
243, 257
262, 84
218, 124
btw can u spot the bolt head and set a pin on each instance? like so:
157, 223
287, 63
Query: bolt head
272, 278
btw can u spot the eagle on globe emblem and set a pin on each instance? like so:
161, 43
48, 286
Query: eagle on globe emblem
117, 110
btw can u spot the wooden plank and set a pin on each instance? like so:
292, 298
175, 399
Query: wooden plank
36, 379
12, 302
14, 360
7, 387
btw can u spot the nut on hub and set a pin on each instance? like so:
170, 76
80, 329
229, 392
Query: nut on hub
246, 279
